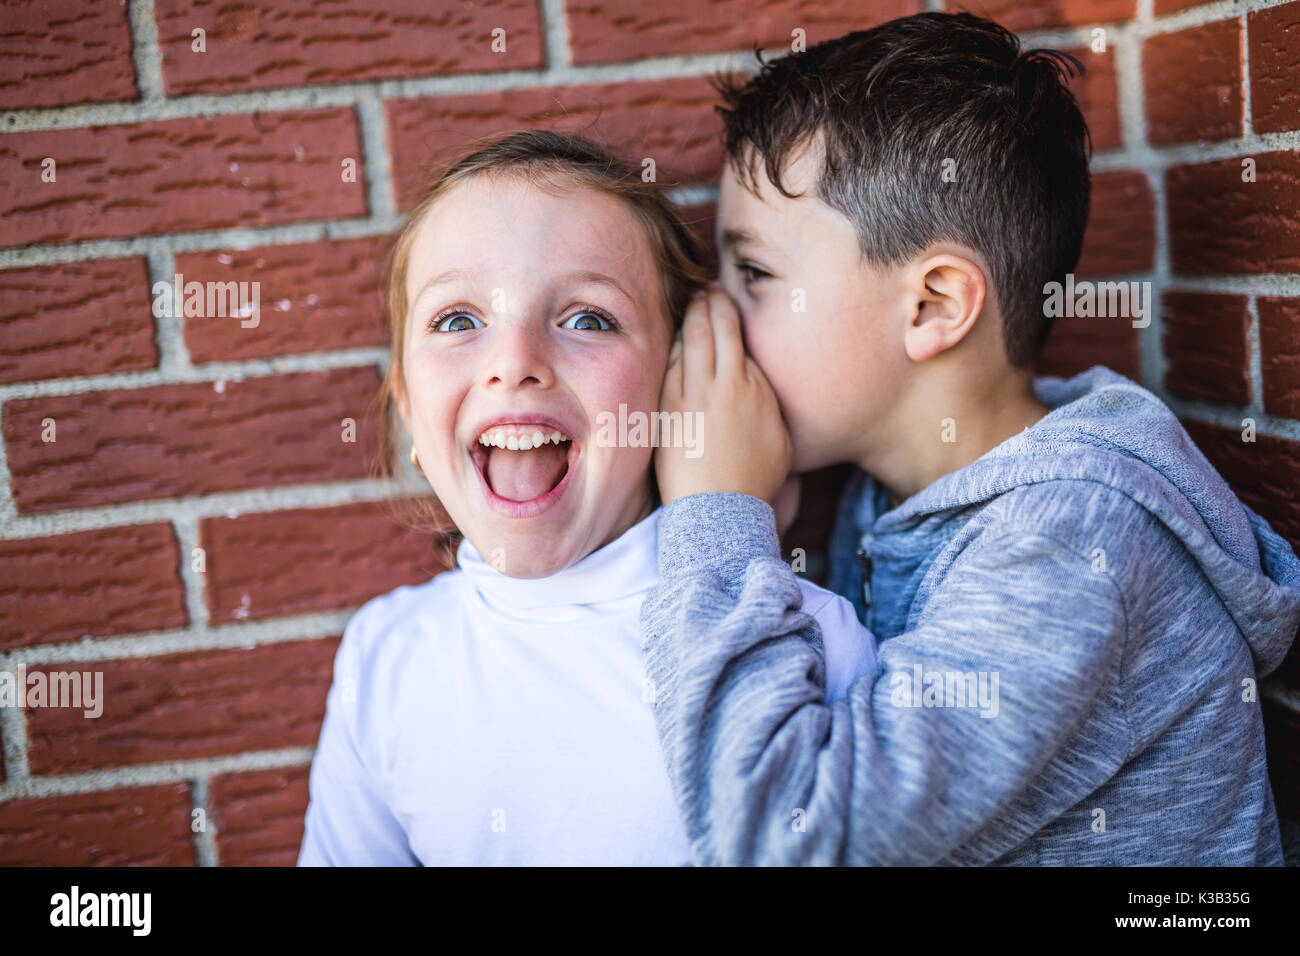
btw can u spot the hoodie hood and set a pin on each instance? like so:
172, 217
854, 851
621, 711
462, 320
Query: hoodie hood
1103, 427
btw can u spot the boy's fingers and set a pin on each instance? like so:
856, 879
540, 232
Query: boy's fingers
697, 345
728, 344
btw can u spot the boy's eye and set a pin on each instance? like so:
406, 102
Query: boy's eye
587, 321
458, 322
752, 273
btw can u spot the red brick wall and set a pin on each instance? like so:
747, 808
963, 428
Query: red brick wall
182, 434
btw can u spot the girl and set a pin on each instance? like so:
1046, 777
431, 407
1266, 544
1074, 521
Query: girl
499, 713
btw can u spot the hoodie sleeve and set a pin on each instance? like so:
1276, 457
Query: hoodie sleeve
767, 772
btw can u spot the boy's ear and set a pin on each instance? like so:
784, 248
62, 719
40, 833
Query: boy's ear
945, 296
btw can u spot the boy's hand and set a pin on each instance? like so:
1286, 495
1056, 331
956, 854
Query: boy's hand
743, 443
786, 504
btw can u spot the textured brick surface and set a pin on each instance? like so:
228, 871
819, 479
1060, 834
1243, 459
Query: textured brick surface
77, 318
103, 582
811, 530
1021, 16
179, 175
1219, 224
57, 52
1282, 738
1121, 236
290, 43
313, 297
671, 121
177, 440
1275, 67
612, 30
259, 816
1279, 346
1162, 7
1205, 346
1077, 343
1098, 96
221, 162
187, 706
1193, 83
310, 559
1264, 473
133, 826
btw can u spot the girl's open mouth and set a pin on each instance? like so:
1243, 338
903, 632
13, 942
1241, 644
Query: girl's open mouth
524, 466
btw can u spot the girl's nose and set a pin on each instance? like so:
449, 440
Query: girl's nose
519, 356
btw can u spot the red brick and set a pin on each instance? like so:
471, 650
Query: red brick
1205, 345
614, 30
187, 707
1282, 740
278, 43
77, 318
819, 496
1219, 224
99, 583
179, 175
1022, 17
259, 815
313, 297
1275, 68
176, 440
1173, 6
1077, 343
1279, 345
60, 52
133, 826
1193, 83
1121, 236
671, 121
1098, 95
1264, 473
311, 559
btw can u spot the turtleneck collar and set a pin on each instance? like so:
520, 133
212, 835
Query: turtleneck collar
605, 581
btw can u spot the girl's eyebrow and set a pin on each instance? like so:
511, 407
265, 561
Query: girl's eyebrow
581, 276
451, 275
598, 278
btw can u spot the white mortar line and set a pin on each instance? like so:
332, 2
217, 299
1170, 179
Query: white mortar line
145, 53
200, 105
13, 727
227, 504
556, 45
1254, 360
152, 774
205, 840
186, 529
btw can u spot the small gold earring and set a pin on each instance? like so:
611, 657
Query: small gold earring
416, 461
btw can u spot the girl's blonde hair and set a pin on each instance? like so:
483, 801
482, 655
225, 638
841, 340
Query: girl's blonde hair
554, 162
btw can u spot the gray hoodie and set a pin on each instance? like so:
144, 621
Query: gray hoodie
1070, 632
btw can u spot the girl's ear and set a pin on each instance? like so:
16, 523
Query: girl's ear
400, 400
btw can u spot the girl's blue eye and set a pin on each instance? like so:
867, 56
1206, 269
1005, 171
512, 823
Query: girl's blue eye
587, 322
456, 322
752, 273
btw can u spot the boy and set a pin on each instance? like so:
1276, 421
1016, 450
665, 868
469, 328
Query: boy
1071, 606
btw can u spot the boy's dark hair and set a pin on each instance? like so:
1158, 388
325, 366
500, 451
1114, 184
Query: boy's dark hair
892, 104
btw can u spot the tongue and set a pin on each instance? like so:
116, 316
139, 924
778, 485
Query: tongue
525, 475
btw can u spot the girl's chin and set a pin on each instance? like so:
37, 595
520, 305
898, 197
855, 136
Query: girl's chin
526, 557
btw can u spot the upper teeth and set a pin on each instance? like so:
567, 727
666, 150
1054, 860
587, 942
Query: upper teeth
505, 437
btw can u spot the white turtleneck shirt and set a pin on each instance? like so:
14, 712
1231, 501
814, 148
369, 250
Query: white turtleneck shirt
480, 719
